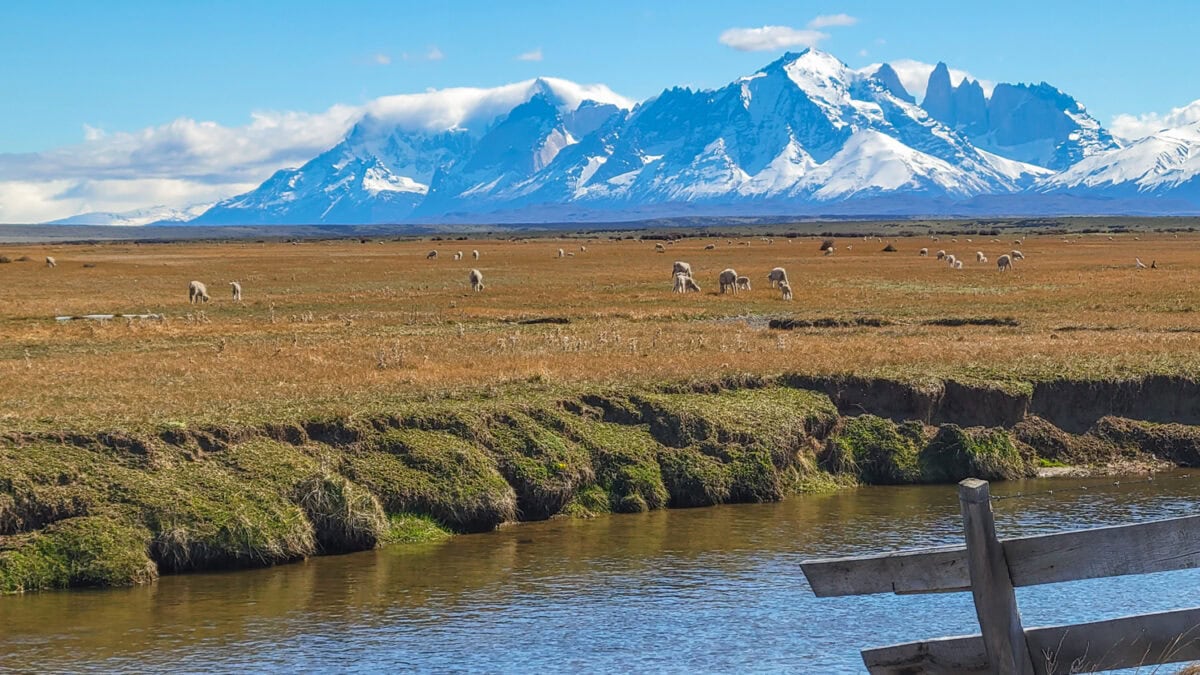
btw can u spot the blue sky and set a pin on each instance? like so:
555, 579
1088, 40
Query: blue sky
76, 70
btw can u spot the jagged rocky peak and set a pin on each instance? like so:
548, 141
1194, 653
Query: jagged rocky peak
891, 81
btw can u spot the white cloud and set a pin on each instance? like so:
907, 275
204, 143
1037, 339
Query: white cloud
830, 20
914, 75
535, 55
434, 54
1132, 127
381, 59
770, 38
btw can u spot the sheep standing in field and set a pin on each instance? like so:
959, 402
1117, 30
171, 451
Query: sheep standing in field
777, 276
941, 255
786, 290
980, 257
197, 292
1137, 262
958, 264
685, 283
1004, 262
236, 289
561, 254
951, 260
51, 262
476, 279
728, 280
829, 251
457, 256
743, 283
923, 252
583, 249
475, 254
681, 267
660, 248
1017, 255
710, 247
432, 255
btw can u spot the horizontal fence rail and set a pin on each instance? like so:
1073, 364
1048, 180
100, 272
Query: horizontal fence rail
990, 568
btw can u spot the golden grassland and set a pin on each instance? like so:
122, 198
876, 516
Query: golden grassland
340, 327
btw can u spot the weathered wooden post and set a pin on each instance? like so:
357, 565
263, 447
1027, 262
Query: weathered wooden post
995, 601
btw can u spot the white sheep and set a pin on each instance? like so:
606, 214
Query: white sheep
941, 255
743, 283
476, 279
983, 259
431, 255
51, 262
475, 254
197, 292
458, 255
681, 267
1139, 264
660, 248
980, 257
1017, 255
923, 252
1004, 262
728, 280
561, 254
685, 283
951, 260
958, 264
777, 276
583, 249
710, 247
829, 251
236, 288
786, 290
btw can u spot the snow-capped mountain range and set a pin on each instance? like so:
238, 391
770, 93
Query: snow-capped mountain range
805, 135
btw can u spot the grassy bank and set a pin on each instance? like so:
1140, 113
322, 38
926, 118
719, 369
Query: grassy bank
97, 509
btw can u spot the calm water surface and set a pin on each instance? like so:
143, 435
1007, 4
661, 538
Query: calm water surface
709, 590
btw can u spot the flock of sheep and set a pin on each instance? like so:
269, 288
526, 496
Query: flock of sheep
728, 280
1003, 263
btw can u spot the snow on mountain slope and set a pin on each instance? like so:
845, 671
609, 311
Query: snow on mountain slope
146, 216
1161, 162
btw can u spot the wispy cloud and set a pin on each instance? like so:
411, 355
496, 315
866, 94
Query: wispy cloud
1133, 127
830, 20
381, 59
535, 55
434, 54
774, 38
770, 38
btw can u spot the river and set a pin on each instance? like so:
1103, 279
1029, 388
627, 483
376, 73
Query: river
698, 590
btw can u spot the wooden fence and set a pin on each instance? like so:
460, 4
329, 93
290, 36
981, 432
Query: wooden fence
990, 568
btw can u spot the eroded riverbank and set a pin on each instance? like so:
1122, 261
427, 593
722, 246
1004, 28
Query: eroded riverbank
121, 508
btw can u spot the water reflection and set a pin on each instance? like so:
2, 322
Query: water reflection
715, 589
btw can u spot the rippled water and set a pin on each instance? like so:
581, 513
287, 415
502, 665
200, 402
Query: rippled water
717, 589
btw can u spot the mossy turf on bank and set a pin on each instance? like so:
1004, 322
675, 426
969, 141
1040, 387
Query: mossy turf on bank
114, 509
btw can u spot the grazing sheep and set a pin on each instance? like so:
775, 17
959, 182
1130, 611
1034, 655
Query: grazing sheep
51, 262
583, 249
950, 260
958, 264
660, 248
236, 288
980, 257
685, 283
458, 256
1017, 255
829, 251
561, 254
728, 280
710, 247
743, 283
476, 279
1153, 264
1137, 262
197, 292
681, 267
923, 252
786, 290
1004, 262
475, 255
983, 259
777, 276
941, 255
432, 255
